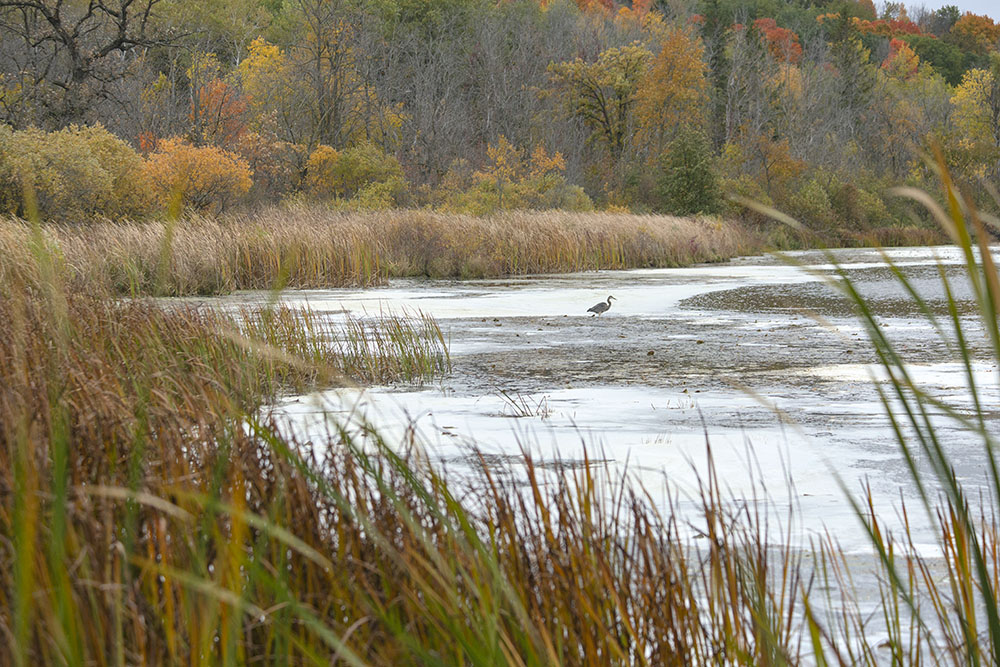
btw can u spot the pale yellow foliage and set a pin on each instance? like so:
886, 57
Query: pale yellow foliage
972, 111
266, 77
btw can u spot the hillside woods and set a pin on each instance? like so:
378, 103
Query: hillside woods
131, 108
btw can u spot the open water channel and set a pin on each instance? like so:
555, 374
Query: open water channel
730, 354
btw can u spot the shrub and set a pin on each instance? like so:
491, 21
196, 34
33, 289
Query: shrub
343, 174
131, 196
873, 210
561, 195
382, 195
481, 198
858, 207
811, 205
277, 166
76, 173
203, 177
511, 180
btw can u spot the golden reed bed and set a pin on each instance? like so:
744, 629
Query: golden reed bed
315, 247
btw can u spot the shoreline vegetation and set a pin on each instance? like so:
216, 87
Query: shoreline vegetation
316, 247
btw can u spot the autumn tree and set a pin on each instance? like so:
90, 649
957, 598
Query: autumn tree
781, 42
674, 93
312, 88
603, 93
506, 164
203, 177
67, 57
268, 82
217, 110
902, 61
911, 107
976, 34
977, 117
324, 64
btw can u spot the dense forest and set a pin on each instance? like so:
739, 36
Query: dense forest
128, 108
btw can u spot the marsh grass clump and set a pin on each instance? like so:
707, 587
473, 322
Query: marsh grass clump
380, 349
392, 347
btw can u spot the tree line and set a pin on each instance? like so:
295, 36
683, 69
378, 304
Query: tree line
813, 106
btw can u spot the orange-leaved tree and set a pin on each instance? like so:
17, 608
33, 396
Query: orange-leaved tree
200, 177
977, 34
782, 43
674, 94
217, 110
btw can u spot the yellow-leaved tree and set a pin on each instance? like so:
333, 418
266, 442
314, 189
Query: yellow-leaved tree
268, 84
977, 117
505, 164
603, 93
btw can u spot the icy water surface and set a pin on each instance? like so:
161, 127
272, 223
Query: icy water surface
730, 354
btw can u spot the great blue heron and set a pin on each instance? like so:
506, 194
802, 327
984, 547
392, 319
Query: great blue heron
601, 307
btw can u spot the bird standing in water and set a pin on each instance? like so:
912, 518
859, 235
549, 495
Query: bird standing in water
601, 307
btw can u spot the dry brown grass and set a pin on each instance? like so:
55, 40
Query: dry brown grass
314, 247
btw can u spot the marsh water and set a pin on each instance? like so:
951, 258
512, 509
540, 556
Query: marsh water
758, 359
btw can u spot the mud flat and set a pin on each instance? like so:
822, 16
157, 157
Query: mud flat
755, 357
